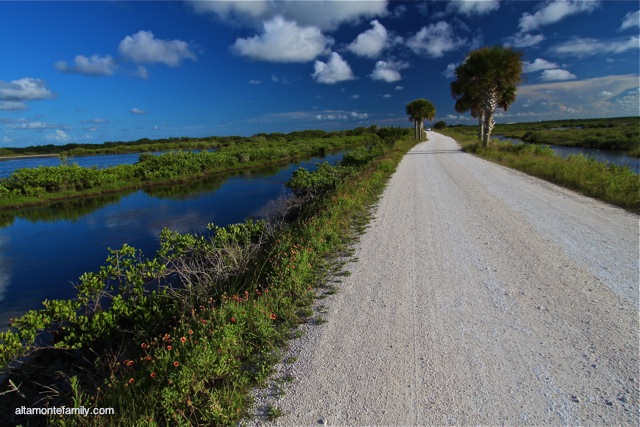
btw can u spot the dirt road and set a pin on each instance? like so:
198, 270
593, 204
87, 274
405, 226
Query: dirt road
480, 296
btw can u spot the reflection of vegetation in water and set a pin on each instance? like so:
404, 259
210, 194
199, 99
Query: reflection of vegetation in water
616, 134
72, 209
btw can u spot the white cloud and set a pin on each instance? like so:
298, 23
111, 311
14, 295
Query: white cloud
283, 41
334, 71
254, 82
228, 9
583, 96
12, 106
356, 96
340, 115
631, 20
399, 87
583, 47
554, 11
143, 47
142, 72
94, 65
31, 126
556, 75
137, 111
435, 40
523, 40
473, 7
329, 14
387, 95
371, 42
324, 14
58, 135
388, 71
25, 89
537, 65
450, 71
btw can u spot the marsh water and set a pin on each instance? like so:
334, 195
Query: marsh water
44, 250
615, 157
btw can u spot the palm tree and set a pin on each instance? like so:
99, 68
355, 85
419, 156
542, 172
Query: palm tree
418, 110
487, 79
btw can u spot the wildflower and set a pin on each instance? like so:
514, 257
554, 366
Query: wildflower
176, 363
272, 316
183, 340
190, 332
152, 375
169, 347
166, 337
147, 358
143, 345
203, 321
131, 380
129, 362
233, 320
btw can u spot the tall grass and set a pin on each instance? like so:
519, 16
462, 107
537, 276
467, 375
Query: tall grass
610, 183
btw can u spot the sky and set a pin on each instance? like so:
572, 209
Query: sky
96, 71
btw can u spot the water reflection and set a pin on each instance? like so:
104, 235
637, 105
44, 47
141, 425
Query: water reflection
43, 250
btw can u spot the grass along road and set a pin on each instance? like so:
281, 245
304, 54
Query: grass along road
481, 295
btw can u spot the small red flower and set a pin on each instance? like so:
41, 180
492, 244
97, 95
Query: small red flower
152, 375
183, 340
176, 363
143, 345
272, 316
169, 347
129, 362
190, 332
233, 320
166, 337
203, 321
131, 380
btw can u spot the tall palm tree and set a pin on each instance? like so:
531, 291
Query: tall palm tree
487, 79
419, 110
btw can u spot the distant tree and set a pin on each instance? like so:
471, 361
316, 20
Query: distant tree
487, 79
439, 125
419, 110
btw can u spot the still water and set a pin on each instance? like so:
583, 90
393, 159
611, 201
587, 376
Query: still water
614, 157
8, 165
44, 250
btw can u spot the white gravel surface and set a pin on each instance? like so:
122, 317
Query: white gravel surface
480, 296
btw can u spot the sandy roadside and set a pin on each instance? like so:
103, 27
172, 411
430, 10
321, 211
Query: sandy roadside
480, 296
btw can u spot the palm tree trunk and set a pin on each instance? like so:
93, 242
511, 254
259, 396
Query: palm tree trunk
490, 103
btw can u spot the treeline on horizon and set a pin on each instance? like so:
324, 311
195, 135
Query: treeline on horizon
616, 134
187, 143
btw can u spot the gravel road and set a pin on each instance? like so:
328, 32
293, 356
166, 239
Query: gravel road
480, 296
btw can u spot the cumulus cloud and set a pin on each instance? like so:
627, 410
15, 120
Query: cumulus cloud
554, 11
25, 89
370, 43
435, 40
333, 71
388, 71
137, 111
523, 40
283, 41
631, 20
537, 65
583, 47
323, 14
94, 66
15, 94
58, 136
473, 7
556, 75
143, 47
450, 71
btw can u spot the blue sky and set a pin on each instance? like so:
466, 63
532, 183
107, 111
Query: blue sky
89, 72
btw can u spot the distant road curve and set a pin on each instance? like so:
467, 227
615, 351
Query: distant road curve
480, 296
